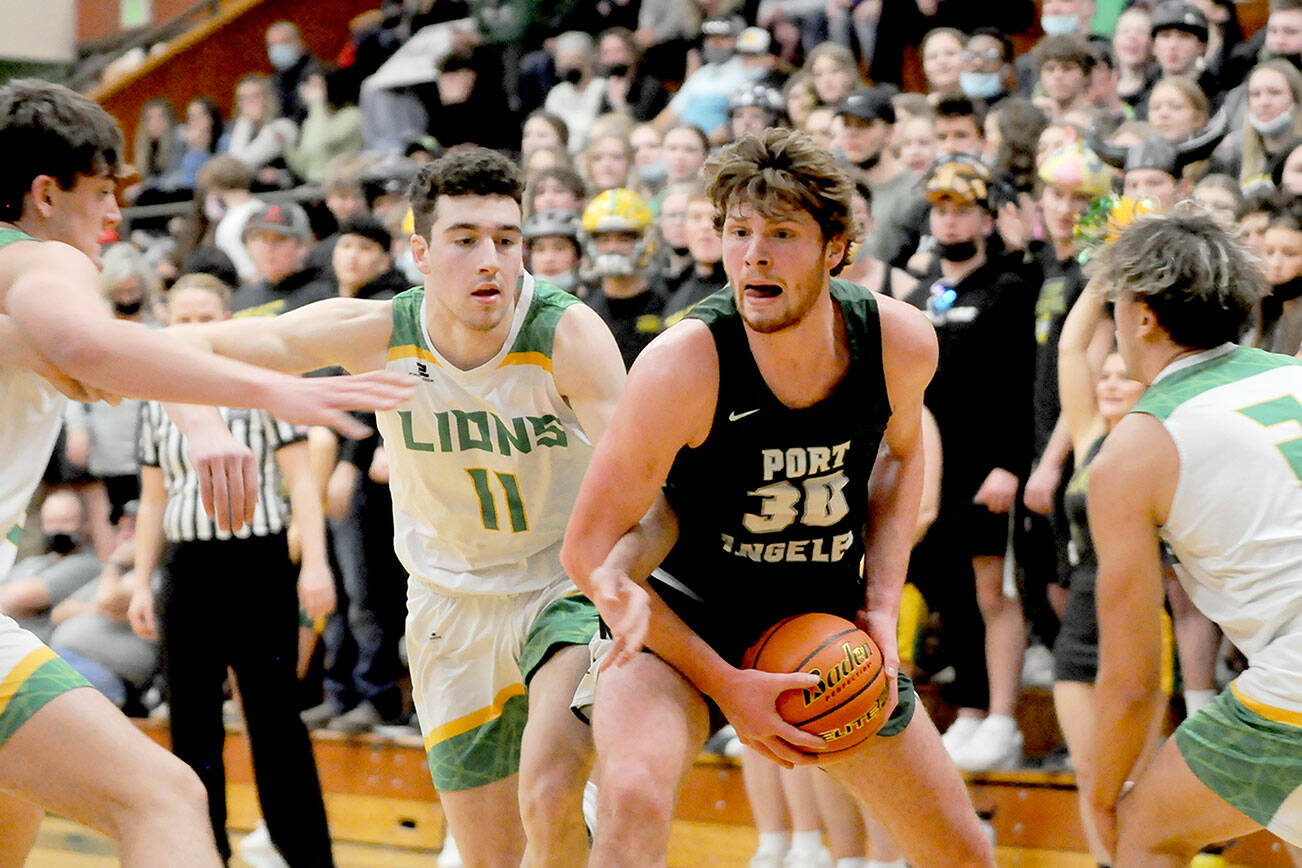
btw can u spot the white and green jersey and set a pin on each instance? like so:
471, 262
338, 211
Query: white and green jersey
484, 464
31, 412
1235, 521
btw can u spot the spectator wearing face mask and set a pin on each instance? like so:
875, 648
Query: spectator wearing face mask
293, 65
40, 582
579, 92
1271, 121
630, 89
987, 70
703, 99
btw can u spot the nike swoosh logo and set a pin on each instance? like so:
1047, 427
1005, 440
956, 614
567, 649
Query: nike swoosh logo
734, 416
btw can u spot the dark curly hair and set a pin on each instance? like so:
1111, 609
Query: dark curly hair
781, 171
470, 171
47, 129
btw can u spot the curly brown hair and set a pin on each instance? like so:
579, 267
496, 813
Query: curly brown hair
471, 171
782, 171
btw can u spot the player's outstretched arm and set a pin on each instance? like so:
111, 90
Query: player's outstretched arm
17, 351
51, 299
350, 333
909, 355
1129, 490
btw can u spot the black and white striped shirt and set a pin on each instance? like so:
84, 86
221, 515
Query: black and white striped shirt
161, 445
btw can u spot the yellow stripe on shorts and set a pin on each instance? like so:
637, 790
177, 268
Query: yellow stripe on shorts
21, 673
1270, 712
474, 719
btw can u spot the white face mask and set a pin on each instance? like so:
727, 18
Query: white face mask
1059, 25
1273, 127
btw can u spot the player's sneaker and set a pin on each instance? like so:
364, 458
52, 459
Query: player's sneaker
996, 745
959, 733
257, 850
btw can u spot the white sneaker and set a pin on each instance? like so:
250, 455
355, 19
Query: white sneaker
802, 858
449, 856
997, 744
1037, 667
959, 733
256, 849
771, 859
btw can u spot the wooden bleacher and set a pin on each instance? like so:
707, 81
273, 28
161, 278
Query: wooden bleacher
212, 56
378, 791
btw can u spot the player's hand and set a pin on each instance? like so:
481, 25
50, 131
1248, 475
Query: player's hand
140, 613
327, 400
316, 591
227, 472
998, 493
1041, 487
750, 702
883, 629
625, 606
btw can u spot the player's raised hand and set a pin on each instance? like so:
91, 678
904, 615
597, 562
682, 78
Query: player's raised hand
750, 702
327, 400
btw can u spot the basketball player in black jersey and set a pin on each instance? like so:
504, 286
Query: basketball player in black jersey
740, 455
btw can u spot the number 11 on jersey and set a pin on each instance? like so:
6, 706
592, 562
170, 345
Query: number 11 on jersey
488, 500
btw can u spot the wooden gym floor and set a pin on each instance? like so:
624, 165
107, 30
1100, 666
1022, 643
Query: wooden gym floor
384, 812
64, 844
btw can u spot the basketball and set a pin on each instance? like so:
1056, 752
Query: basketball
844, 709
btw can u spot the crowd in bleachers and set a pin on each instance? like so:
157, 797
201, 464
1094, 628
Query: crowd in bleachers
969, 192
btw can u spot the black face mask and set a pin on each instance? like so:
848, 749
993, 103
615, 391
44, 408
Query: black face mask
573, 75
128, 308
681, 251
61, 543
958, 251
1287, 291
616, 70
871, 163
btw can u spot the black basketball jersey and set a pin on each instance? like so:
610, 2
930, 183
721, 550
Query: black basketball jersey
773, 505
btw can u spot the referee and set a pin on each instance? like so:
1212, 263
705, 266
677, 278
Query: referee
230, 600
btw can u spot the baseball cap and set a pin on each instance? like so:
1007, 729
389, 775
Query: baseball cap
963, 180
868, 103
283, 218
754, 40
1180, 15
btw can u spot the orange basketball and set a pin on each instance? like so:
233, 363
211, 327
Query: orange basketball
844, 709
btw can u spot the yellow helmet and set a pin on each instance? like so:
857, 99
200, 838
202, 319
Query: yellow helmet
616, 210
